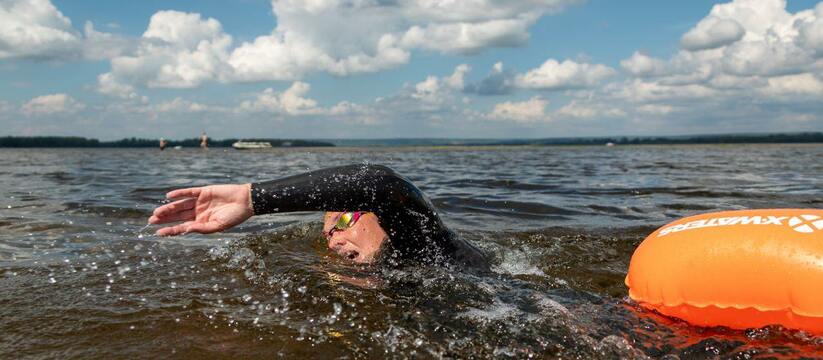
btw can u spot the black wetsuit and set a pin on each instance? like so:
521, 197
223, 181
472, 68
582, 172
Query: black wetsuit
415, 230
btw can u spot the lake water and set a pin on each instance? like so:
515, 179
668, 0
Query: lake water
81, 276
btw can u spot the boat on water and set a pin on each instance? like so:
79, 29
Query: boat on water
250, 145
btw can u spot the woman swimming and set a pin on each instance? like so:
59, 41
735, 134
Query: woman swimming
373, 214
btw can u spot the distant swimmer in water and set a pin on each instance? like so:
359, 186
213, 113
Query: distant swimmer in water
372, 214
163, 144
204, 141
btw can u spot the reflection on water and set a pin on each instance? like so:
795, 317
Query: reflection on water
80, 276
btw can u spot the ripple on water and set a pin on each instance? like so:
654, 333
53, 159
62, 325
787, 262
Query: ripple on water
81, 277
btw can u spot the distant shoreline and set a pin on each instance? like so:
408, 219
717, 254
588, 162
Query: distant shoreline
80, 142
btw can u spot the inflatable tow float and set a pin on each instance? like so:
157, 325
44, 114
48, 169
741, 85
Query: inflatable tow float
738, 269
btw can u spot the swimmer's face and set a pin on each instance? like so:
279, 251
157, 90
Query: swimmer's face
359, 243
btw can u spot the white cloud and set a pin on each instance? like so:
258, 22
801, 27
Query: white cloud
427, 90
467, 38
102, 45
554, 75
291, 101
108, 85
36, 29
182, 105
531, 110
457, 80
588, 110
775, 55
340, 37
498, 82
52, 104
766, 58
711, 33
811, 31
642, 65
437, 90
794, 85
656, 109
178, 50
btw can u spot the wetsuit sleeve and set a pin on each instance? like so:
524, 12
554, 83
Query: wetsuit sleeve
403, 211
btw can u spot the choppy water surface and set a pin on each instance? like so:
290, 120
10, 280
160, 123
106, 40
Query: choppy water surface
81, 277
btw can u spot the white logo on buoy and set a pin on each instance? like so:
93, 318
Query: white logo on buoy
806, 223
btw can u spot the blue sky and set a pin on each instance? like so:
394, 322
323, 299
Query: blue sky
426, 68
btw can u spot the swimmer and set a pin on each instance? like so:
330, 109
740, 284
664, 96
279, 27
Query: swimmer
204, 141
372, 214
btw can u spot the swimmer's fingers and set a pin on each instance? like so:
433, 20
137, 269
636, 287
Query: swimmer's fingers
174, 230
179, 193
189, 227
185, 215
170, 209
206, 228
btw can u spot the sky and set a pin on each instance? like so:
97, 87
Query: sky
334, 69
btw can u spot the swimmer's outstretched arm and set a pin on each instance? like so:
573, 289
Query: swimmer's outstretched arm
399, 205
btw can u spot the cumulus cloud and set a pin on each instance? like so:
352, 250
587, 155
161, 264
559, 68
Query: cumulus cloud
711, 33
340, 37
554, 75
438, 90
588, 110
36, 29
531, 110
747, 66
179, 104
642, 65
347, 37
811, 31
102, 45
177, 50
292, 101
744, 49
499, 81
457, 80
467, 38
52, 104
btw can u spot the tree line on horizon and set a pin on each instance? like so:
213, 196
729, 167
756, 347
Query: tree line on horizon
806, 137
81, 142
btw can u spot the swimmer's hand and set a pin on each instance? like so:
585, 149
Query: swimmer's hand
204, 209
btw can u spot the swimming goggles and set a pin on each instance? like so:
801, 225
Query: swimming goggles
346, 220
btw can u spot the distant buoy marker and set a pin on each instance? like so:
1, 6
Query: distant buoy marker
739, 269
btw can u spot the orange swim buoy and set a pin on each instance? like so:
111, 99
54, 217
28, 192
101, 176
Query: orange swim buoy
739, 269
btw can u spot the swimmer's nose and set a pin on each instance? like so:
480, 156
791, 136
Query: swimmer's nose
336, 242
